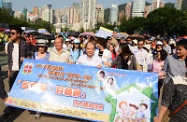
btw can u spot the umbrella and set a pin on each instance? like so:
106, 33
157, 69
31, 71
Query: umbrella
75, 34
87, 34
136, 36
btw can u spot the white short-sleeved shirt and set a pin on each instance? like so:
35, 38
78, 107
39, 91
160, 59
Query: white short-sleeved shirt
94, 61
141, 56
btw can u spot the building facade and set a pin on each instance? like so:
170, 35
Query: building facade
138, 8
35, 10
7, 5
128, 10
184, 5
157, 4
47, 13
113, 14
89, 14
17, 14
178, 4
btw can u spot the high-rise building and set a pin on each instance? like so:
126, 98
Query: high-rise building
35, 10
7, 5
138, 8
121, 16
17, 14
1, 4
178, 4
73, 16
184, 5
107, 15
24, 12
157, 4
89, 14
99, 13
128, 10
113, 14
148, 9
47, 13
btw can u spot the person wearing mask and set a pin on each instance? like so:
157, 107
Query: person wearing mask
157, 66
103, 52
125, 60
17, 51
76, 51
59, 54
174, 65
90, 58
134, 44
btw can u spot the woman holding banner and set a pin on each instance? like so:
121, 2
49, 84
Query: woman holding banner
103, 52
125, 60
41, 54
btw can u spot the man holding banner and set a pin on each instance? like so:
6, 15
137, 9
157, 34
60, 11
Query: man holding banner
17, 51
59, 54
90, 59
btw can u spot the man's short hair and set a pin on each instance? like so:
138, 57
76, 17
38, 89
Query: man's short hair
182, 42
17, 28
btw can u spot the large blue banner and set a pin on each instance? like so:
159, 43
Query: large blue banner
85, 92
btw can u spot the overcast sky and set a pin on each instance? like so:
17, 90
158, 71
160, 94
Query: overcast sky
59, 4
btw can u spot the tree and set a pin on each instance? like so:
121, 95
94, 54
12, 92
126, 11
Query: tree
166, 21
129, 26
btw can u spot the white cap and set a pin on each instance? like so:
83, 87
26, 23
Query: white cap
77, 41
159, 43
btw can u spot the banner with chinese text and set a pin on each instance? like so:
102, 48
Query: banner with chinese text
85, 92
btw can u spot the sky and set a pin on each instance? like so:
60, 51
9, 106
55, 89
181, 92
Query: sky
59, 4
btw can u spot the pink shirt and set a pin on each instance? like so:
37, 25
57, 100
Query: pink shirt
157, 66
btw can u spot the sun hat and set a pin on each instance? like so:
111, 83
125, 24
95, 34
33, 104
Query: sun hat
41, 42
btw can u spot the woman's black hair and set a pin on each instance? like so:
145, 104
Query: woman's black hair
80, 48
125, 49
114, 52
163, 54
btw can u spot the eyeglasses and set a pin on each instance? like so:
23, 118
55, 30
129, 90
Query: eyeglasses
12, 33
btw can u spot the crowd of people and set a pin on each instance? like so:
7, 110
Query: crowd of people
164, 56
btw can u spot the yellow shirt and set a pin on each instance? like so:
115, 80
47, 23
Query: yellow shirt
64, 56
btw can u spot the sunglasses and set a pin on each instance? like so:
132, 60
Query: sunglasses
12, 33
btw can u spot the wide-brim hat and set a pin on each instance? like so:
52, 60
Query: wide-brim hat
41, 42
